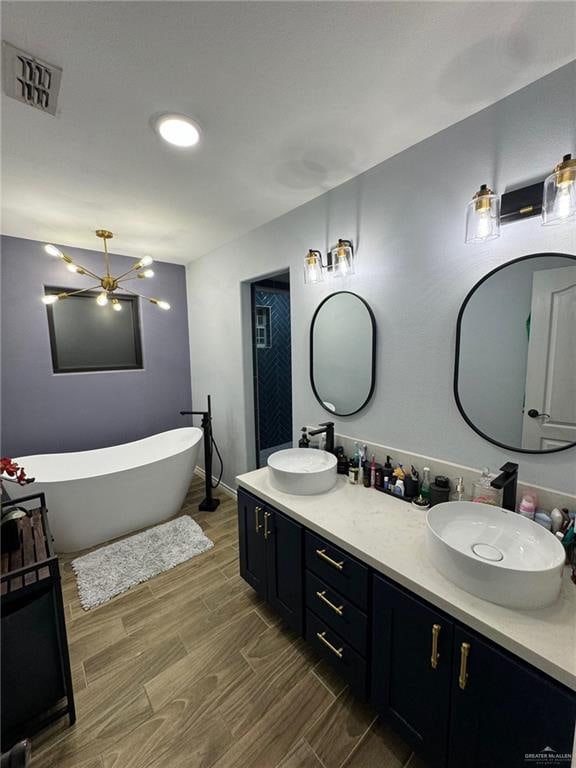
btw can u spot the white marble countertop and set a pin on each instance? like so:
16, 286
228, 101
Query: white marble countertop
388, 534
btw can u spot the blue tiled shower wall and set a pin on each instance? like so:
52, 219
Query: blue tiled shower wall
273, 369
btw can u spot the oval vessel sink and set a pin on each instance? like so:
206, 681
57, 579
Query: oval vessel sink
303, 471
494, 554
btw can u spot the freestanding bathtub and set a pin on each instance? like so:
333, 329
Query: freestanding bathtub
94, 496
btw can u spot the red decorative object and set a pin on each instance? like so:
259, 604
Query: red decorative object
13, 472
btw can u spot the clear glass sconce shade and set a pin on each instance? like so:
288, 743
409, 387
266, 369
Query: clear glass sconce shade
313, 272
116, 306
102, 299
342, 260
163, 305
559, 199
483, 216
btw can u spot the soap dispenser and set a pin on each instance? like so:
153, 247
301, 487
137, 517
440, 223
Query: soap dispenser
304, 441
460, 493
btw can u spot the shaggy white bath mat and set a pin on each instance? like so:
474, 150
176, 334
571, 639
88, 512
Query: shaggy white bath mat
113, 569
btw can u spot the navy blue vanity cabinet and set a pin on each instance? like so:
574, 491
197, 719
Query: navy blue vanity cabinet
284, 568
337, 588
271, 550
412, 669
251, 541
503, 713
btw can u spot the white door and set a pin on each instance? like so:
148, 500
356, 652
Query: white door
550, 405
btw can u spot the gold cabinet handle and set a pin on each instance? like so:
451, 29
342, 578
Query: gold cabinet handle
463, 676
266, 531
336, 651
257, 511
322, 553
435, 655
336, 608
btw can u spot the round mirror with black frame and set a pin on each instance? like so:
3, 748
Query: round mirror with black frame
515, 366
343, 353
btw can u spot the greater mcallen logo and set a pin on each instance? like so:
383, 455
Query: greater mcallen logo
547, 756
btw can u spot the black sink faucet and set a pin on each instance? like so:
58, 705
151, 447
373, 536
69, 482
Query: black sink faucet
327, 428
507, 482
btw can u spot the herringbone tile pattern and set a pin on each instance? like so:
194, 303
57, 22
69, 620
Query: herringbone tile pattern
274, 372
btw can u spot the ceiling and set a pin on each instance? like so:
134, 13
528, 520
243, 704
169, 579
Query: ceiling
293, 98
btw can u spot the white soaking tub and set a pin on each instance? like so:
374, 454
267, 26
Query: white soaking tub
94, 496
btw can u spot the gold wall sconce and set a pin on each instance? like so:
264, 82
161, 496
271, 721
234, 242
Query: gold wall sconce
339, 262
554, 198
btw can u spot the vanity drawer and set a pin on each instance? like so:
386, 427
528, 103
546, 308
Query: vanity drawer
338, 612
338, 569
337, 652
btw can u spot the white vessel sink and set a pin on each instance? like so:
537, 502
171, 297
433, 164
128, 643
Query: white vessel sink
497, 555
303, 471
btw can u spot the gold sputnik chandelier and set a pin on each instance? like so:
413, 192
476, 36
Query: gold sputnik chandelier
108, 283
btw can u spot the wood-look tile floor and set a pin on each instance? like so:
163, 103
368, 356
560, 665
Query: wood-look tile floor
191, 670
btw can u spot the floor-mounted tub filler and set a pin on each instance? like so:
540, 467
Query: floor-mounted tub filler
95, 496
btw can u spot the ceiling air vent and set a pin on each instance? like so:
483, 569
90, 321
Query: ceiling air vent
30, 80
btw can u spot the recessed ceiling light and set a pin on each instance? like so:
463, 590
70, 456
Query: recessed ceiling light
178, 130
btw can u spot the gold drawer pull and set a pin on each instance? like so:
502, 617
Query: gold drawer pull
435, 655
337, 651
463, 676
266, 531
336, 608
257, 511
322, 553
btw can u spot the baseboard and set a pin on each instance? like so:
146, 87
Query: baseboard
226, 488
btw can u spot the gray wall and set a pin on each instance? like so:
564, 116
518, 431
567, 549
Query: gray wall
43, 412
407, 218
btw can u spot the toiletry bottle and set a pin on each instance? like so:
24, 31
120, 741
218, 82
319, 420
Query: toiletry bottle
425, 489
364, 455
373, 472
387, 468
399, 487
439, 490
386, 483
366, 475
543, 519
527, 508
557, 520
358, 457
342, 464
353, 472
460, 493
304, 441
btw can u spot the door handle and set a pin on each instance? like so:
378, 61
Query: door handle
266, 531
463, 676
435, 655
257, 511
535, 414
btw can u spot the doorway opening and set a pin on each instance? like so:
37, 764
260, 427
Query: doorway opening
272, 364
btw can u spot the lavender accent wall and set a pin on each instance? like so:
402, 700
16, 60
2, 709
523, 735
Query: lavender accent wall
44, 412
